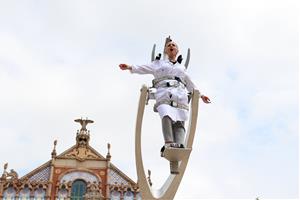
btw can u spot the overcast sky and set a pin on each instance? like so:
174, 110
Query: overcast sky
59, 61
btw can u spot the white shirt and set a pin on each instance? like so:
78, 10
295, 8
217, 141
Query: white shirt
159, 69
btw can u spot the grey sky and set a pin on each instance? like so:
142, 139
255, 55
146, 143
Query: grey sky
59, 61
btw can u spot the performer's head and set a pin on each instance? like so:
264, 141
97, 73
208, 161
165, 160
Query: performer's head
171, 49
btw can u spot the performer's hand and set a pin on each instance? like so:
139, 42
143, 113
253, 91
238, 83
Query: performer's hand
205, 99
124, 66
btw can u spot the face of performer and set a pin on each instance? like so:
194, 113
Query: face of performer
171, 50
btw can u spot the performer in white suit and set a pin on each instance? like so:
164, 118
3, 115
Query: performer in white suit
172, 84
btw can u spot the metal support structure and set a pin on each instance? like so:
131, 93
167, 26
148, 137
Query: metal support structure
186, 64
169, 188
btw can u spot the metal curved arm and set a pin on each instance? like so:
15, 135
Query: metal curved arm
186, 64
169, 189
153, 53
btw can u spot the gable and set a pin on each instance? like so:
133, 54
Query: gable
81, 154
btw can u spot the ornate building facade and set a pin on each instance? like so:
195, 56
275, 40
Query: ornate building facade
79, 173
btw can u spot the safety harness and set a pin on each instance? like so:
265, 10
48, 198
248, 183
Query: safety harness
171, 103
157, 82
171, 81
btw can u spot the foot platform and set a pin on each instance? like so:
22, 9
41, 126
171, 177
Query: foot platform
176, 154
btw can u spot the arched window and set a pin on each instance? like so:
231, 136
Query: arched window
78, 190
9, 194
115, 195
128, 195
24, 194
39, 194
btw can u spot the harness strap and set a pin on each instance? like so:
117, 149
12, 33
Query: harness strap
157, 80
171, 103
171, 83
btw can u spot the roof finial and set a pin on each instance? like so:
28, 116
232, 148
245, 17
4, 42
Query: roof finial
83, 136
53, 154
4, 171
5, 166
84, 123
108, 156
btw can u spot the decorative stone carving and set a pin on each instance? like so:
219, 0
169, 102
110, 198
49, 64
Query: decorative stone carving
13, 175
93, 192
84, 123
88, 177
25, 184
82, 150
62, 194
63, 189
81, 154
9, 176
83, 136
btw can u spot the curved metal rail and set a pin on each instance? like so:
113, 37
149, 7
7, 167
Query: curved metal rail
169, 188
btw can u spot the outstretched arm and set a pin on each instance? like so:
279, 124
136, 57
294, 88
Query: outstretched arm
138, 69
205, 99
125, 67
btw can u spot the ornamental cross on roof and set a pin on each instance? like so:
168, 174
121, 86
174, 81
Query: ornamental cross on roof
84, 123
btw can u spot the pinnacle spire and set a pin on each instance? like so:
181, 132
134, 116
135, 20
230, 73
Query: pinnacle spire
83, 135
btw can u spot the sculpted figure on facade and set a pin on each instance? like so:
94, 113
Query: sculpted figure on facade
12, 175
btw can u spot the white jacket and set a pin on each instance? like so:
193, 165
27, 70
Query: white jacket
159, 69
